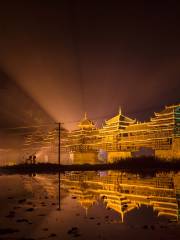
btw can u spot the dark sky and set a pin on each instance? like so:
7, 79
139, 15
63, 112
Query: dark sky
75, 56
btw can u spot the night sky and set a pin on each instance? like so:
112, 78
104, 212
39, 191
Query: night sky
59, 59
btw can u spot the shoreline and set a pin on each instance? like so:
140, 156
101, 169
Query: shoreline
135, 165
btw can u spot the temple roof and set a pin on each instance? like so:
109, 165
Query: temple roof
168, 110
119, 119
86, 123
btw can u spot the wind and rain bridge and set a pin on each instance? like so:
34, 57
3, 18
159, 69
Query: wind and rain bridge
120, 137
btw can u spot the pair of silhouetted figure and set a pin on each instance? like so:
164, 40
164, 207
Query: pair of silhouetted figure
31, 159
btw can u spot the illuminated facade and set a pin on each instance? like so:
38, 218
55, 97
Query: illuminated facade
83, 142
161, 133
43, 143
110, 136
165, 127
120, 137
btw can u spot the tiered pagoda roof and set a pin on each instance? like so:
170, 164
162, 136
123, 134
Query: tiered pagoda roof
167, 116
86, 123
167, 122
85, 137
120, 121
117, 123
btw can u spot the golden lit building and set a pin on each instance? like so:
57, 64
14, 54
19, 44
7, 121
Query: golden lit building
161, 133
135, 136
110, 134
165, 132
83, 142
44, 143
119, 137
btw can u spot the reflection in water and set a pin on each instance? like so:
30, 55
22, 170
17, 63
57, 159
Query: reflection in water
121, 191
98, 205
124, 192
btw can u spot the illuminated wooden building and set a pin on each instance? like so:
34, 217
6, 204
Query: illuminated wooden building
44, 143
135, 136
83, 142
165, 132
120, 136
110, 134
161, 133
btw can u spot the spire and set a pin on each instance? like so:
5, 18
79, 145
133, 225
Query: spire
120, 112
85, 115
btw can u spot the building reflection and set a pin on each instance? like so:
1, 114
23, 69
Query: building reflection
124, 192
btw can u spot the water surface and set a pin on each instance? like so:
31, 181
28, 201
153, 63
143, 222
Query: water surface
90, 205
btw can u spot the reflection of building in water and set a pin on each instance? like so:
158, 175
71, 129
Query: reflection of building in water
83, 191
124, 192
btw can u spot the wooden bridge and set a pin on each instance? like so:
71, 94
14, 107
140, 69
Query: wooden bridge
120, 137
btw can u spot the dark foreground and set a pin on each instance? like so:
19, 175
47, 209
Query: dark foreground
132, 165
86, 205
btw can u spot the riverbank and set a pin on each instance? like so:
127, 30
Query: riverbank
132, 165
